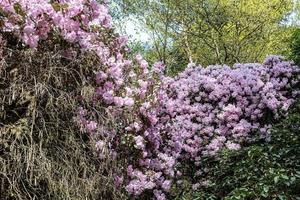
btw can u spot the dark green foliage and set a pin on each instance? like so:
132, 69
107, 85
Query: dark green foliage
295, 47
260, 171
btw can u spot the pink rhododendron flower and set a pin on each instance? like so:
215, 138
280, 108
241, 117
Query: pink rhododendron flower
91, 126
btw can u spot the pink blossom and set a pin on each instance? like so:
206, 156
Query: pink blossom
91, 126
128, 101
166, 185
119, 101
139, 142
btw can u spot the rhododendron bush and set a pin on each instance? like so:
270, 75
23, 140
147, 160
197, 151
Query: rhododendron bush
42, 71
153, 126
204, 110
195, 115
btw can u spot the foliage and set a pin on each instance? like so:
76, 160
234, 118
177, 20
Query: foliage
213, 31
42, 153
295, 47
260, 171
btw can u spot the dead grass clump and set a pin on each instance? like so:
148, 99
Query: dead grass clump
43, 155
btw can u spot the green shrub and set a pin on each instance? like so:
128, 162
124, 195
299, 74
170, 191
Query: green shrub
260, 171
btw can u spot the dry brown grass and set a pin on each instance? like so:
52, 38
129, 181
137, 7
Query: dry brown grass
43, 155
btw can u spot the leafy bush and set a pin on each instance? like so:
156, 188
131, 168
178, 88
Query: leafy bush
260, 171
193, 116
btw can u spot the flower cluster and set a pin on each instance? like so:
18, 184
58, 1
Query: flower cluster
195, 115
85, 26
204, 110
35, 20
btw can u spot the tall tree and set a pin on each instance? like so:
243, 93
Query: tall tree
213, 31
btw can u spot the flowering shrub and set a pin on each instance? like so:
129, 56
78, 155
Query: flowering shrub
74, 25
204, 110
41, 74
79, 27
119, 86
260, 171
73, 20
195, 115
151, 124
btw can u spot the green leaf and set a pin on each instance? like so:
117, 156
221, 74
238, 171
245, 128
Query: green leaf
281, 197
285, 177
19, 10
56, 6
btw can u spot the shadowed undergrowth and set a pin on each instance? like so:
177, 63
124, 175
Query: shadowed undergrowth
43, 155
260, 171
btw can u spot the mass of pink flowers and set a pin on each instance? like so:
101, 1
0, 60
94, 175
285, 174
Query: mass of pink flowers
81, 23
161, 124
35, 20
195, 115
204, 110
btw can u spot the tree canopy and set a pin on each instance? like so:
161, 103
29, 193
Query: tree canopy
213, 31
